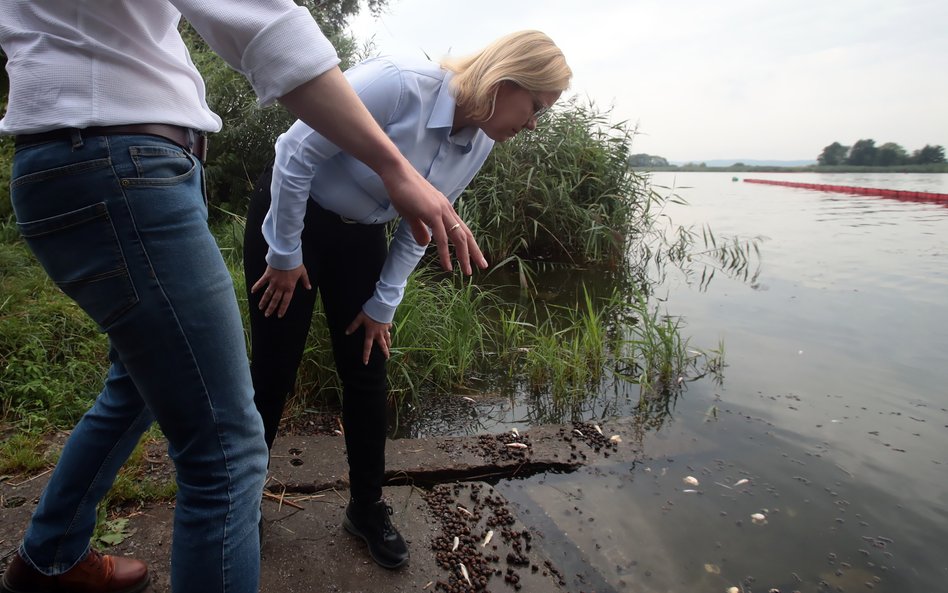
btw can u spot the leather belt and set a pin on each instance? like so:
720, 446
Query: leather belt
193, 141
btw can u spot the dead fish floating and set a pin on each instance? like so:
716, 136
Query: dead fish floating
759, 518
487, 538
741, 482
457, 542
517, 445
464, 574
690, 480
615, 439
599, 430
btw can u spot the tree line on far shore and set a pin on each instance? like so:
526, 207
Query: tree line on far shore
866, 153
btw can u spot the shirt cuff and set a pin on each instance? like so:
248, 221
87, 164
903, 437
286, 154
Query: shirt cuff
285, 261
290, 51
380, 313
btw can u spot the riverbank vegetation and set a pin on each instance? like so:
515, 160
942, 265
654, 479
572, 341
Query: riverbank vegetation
557, 200
560, 202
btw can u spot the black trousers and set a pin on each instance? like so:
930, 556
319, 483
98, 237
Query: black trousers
343, 261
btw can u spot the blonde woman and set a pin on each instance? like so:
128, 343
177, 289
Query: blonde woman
316, 220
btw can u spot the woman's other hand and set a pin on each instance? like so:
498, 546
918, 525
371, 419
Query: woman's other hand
279, 286
375, 332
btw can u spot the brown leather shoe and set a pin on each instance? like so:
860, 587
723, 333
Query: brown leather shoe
97, 573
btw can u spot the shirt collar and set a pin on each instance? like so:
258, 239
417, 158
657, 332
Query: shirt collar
442, 116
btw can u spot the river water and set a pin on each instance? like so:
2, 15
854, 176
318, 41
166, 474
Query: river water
833, 407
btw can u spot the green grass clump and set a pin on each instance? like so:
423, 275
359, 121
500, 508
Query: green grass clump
25, 453
52, 356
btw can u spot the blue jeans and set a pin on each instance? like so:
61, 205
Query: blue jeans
120, 224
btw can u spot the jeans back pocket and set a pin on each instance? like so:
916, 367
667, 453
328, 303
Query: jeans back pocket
82, 255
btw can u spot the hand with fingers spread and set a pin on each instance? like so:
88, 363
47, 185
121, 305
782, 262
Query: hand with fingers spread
279, 286
426, 209
375, 333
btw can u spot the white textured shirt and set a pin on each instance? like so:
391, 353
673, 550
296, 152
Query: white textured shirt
412, 101
80, 63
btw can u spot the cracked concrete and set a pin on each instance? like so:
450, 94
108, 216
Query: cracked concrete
438, 488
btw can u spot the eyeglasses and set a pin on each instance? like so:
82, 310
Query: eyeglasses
539, 109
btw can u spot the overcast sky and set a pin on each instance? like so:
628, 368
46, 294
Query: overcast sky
704, 80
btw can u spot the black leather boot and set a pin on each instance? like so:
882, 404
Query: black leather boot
371, 522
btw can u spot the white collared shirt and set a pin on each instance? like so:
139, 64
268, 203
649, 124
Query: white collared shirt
412, 101
80, 63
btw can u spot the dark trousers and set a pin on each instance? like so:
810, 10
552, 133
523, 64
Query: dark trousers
343, 261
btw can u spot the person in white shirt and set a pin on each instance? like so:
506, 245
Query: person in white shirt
110, 121
316, 220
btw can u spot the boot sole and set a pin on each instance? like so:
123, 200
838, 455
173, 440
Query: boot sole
348, 526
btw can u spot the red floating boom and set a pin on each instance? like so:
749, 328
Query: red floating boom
898, 194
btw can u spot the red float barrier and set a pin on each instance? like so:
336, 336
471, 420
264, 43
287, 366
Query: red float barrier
915, 196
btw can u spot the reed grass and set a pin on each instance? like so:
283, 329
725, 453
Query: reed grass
562, 193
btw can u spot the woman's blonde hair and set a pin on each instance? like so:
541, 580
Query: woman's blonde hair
527, 58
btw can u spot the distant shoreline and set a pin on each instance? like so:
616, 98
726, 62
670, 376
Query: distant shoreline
930, 168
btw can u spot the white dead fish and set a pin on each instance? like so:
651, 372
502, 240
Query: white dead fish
428, 584
487, 537
690, 491
596, 426
741, 482
466, 512
615, 439
457, 542
733, 590
759, 518
516, 445
515, 431
690, 480
337, 432
576, 430
469, 399
464, 574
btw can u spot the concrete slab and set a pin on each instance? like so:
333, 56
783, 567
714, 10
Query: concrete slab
436, 486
